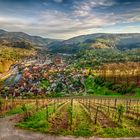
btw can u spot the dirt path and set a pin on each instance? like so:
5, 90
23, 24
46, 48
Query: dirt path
9, 132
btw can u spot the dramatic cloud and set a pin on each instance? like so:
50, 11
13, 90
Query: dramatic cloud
68, 18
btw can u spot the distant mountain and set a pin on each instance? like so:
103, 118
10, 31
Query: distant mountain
100, 40
73, 45
14, 37
2, 31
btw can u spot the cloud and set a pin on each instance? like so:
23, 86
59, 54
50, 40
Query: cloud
131, 29
84, 8
63, 24
52, 23
58, 1
66, 23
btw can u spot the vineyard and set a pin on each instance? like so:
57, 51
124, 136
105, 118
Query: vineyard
80, 116
14, 106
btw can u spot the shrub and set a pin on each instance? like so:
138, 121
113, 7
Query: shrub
109, 85
116, 87
90, 84
24, 108
99, 81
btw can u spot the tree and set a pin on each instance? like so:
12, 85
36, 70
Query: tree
90, 84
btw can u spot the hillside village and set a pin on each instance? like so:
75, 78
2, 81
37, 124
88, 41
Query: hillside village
44, 75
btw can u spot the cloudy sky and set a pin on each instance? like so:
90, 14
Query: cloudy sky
64, 19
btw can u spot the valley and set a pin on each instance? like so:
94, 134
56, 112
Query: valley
69, 69
84, 87
39, 70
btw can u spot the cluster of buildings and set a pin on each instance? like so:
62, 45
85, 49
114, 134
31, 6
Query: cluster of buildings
43, 75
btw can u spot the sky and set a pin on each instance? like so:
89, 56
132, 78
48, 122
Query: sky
63, 19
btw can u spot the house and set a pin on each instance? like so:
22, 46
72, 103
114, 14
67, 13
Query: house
57, 60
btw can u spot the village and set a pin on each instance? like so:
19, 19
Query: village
44, 76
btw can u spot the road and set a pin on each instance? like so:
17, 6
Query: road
9, 132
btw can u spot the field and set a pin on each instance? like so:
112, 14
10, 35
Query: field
81, 116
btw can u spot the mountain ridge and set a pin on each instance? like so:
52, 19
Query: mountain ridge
99, 40
120, 41
10, 37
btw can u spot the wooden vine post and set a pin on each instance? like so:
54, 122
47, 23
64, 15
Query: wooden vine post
71, 114
137, 109
47, 113
54, 106
96, 115
36, 100
89, 107
108, 107
43, 103
115, 103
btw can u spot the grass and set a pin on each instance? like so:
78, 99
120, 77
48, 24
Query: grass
126, 129
18, 110
129, 128
83, 125
119, 132
37, 122
105, 92
137, 90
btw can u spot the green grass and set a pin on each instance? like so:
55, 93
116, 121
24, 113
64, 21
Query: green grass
37, 122
137, 90
105, 92
120, 132
128, 128
18, 110
82, 123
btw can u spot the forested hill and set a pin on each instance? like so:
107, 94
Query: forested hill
100, 40
14, 37
76, 44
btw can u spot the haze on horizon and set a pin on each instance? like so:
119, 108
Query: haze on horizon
64, 19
